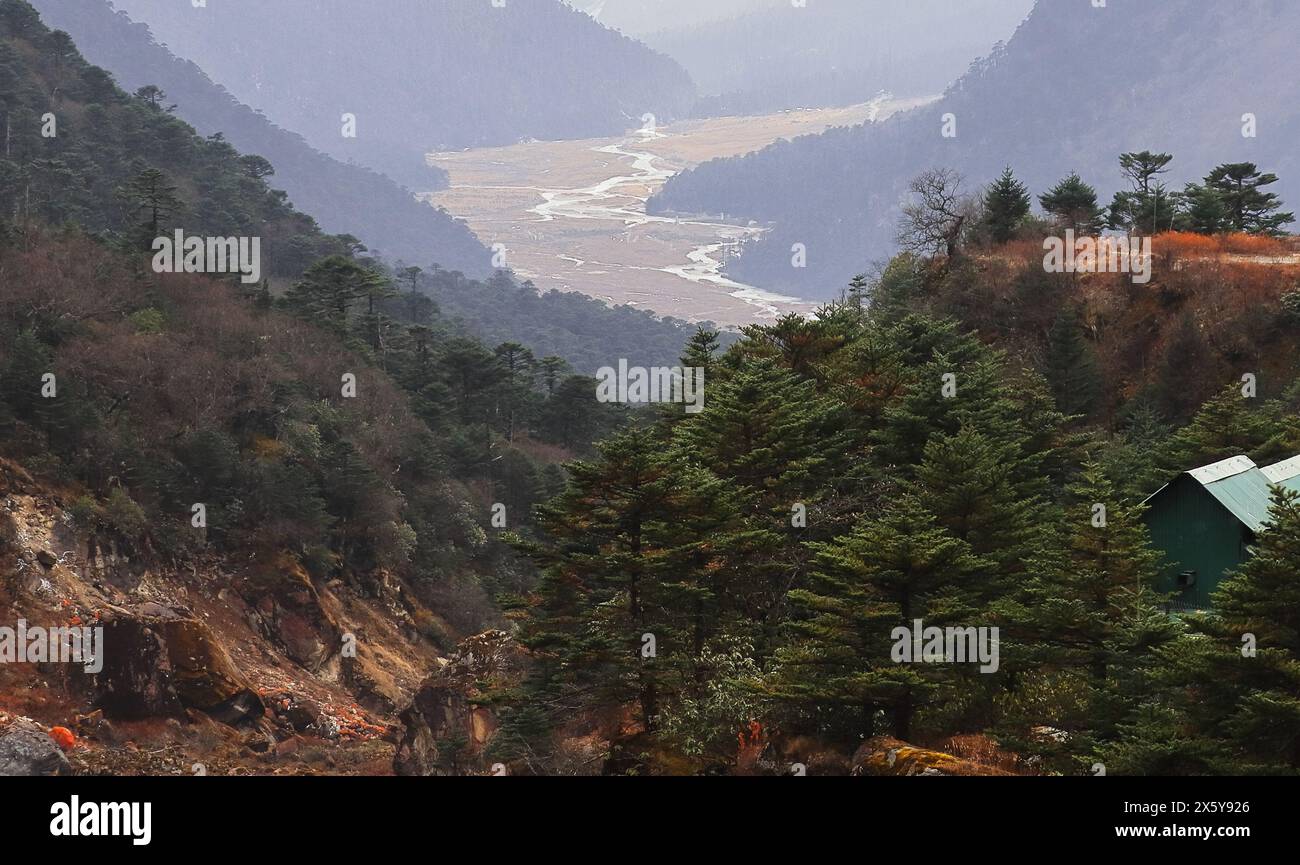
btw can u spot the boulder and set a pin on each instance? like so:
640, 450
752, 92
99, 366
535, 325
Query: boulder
26, 749
305, 716
159, 660
446, 709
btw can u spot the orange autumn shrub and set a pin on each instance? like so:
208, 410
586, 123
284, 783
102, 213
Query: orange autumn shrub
1254, 244
1185, 244
64, 738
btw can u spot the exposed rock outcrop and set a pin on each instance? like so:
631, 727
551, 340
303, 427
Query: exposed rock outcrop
291, 609
446, 729
234, 666
161, 660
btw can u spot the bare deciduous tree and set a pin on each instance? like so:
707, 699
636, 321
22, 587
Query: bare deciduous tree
933, 221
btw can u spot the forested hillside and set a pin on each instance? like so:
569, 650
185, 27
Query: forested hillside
344, 198
1045, 106
959, 445
348, 446
463, 74
82, 185
834, 52
585, 332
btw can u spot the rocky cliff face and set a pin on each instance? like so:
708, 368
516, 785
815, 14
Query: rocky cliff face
231, 667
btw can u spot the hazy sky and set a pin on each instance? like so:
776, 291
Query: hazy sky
638, 17
643, 17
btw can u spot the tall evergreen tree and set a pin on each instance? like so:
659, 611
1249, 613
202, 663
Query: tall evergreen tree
839, 672
1240, 186
1073, 204
1204, 211
329, 290
1006, 204
1147, 207
1262, 600
1071, 366
1088, 616
767, 431
632, 578
970, 483
151, 199
1226, 425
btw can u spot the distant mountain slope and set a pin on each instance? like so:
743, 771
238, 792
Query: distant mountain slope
423, 75
835, 52
343, 198
1074, 87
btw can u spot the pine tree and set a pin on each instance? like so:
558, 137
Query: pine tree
520, 369
699, 359
858, 293
151, 199
966, 384
374, 328
1006, 204
553, 368
330, 288
1204, 211
630, 552
898, 289
969, 482
838, 672
1263, 600
1073, 203
1249, 209
1071, 367
1128, 460
769, 432
1088, 617
1147, 207
471, 373
701, 350
1227, 425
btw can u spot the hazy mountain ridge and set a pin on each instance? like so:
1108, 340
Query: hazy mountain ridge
423, 75
1032, 105
343, 198
834, 52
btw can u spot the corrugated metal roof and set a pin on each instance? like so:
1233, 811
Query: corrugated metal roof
1280, 473
1246, 494
1243, 488
1222, 469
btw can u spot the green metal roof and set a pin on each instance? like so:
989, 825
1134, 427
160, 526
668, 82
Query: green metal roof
1247, 495
1240, 486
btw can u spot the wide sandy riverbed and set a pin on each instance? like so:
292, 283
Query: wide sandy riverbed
570, 215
